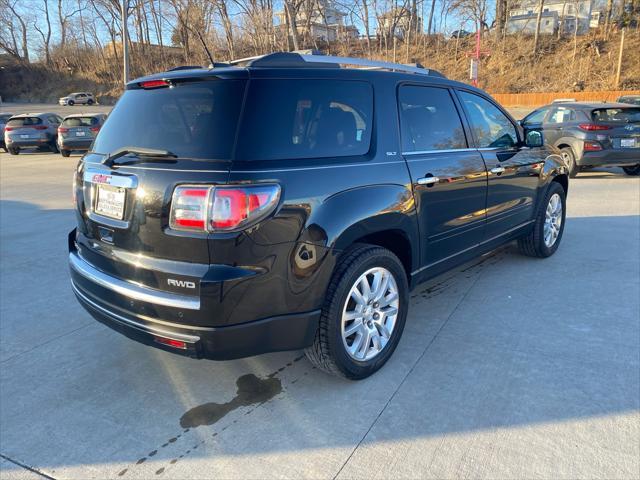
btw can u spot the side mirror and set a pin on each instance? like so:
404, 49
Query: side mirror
533, 138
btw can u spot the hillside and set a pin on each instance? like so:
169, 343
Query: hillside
560, 65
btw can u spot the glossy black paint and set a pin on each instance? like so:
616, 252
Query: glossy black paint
267, 284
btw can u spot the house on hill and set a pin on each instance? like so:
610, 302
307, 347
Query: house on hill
324, 22
566, 16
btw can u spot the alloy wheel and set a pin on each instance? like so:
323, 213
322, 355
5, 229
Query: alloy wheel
552, 220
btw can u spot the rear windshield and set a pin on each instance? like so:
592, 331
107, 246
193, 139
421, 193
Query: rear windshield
288, 119
24, 121
80, 121
616, 115
192, 120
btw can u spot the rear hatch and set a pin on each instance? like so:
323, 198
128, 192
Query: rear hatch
620, 126
124, 204
26, 128
79, 129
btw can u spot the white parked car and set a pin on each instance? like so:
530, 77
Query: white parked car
79, 98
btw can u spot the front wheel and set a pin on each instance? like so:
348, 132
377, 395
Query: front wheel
633, 171
543, 240
364, 314
71, 103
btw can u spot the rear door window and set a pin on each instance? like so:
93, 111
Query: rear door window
429, 120
24, 122
298, 119
491, 128
192, 119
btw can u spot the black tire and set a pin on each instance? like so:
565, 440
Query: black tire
570, 159
633, 171
53, 146
71, 103
89, 102
532, 244
14, 150
65, 153
328, 352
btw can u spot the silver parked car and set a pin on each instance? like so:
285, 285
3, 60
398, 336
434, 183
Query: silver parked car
32, 130
4, 118
77, 131
78, 98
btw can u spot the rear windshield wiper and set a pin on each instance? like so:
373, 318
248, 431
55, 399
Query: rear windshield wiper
138, 152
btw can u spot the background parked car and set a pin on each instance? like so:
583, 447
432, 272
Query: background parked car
32, 130
630, 99
591, 134
4, 118
77, 131
79, 98
460, 34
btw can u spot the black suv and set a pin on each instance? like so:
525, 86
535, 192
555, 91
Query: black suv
591, 134
284, 202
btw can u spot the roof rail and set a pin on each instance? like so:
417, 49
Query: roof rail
316, 59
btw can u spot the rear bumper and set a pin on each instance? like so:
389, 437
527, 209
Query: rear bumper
610, 158
75, 144
24, 143
285, 332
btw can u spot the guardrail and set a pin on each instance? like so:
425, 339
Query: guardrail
538, 99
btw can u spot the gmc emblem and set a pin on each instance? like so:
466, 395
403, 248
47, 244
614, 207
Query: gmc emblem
181, 283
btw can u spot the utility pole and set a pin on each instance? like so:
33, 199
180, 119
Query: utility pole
617, 83
125, 41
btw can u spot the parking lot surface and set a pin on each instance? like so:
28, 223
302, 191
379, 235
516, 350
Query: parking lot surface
508, 367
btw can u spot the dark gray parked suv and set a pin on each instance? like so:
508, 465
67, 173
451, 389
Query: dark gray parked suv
591, 134
32, 130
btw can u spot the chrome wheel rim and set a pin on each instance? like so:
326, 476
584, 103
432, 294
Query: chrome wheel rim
568, 159
553, 220
370, 313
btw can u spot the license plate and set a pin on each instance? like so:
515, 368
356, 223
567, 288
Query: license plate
25, 136
110, 201
628, 142
80, 134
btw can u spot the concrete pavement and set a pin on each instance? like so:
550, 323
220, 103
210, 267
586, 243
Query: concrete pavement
508, 367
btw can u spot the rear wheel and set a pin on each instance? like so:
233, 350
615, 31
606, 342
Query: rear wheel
633, 171
65, 153
570, 161
543, 240
54, 146
14, 150
364, 314
89, 102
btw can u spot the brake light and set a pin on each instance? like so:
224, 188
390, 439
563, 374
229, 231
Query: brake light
221, 208
592, 147
8, 129
189, 208
155, 84
94, 129
592, 127
62, 130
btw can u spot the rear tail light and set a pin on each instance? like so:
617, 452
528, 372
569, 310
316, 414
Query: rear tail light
221, 208
62, 130
8, 129
592, 147
94, 129
593, 127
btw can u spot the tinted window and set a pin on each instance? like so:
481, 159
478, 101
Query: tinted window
80, 121
193, 120
491, 128
24, 121
616, 115
429, 120
562, 115
536, 117
288, 119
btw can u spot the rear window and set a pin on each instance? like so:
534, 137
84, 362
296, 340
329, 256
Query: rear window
80, 121
24, 122
289, 119
616, 115
192, 120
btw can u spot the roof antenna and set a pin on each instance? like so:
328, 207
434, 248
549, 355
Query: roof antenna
206, 49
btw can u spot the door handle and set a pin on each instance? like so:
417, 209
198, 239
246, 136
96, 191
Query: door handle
428, 180
497, 170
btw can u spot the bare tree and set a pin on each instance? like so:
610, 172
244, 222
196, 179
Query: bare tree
46, 37
12, 30
538, 21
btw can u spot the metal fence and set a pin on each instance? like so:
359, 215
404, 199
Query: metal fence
538, 99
